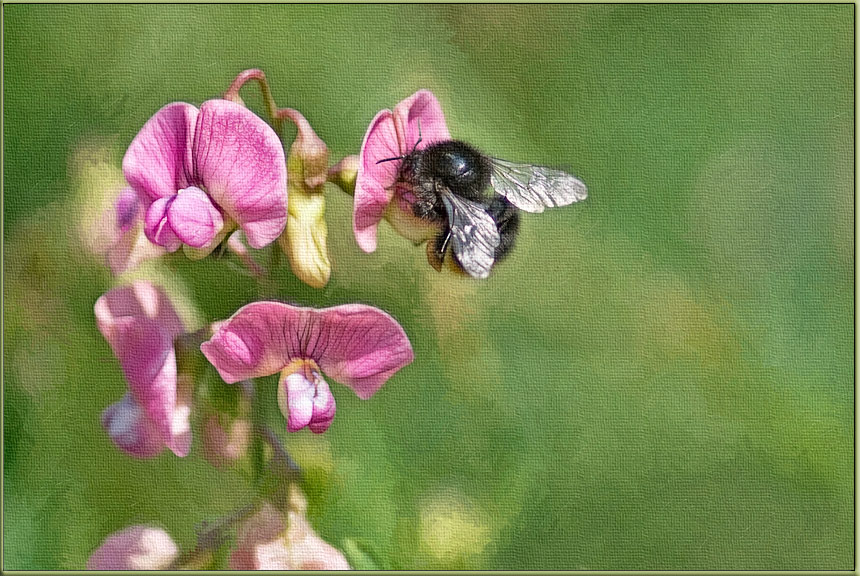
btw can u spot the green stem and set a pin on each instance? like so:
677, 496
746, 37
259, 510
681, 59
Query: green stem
232, 93
210, 537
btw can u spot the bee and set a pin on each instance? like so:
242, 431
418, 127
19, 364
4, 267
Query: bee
450, 181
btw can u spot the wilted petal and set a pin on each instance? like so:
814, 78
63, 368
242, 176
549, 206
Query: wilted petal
157, 226
130, 429
240, 162
420, 115
135, 548
193, 217
224, 442
158, 161
373, 183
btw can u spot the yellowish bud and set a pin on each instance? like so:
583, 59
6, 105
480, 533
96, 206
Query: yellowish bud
304, 240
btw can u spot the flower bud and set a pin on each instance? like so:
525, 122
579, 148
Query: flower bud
135, 548
304, 240
343, 174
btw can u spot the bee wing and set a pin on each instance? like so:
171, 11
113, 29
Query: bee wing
473, 234
533, 188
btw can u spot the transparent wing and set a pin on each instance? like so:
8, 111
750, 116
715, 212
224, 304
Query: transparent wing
473, 234
533, 188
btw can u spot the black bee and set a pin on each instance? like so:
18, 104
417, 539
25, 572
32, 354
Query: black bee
450, 180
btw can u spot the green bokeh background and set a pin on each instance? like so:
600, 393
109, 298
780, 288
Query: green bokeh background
659, 378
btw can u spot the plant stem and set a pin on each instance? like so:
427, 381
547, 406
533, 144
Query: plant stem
210, 537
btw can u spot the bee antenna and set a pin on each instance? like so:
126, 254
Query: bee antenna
390, 159
405, 155
417, 142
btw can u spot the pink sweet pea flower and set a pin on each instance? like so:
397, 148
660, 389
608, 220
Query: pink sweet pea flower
377, 193
201, 173
128, 245
357, 345
135, 548
140, 325
272, 540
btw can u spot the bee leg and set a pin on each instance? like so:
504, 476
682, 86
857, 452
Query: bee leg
441, 250
436, 250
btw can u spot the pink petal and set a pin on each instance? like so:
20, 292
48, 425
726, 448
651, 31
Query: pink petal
157, 227
258, 340
374, 182
130, 249
422, 109
138, 300
127, 209
193, 217
361, 347
296, 399
391, 135
306, 403
140, 325
158, 161
130, 429
259, 542
240, 162
145, 352
324, 407
135, 548
357, 345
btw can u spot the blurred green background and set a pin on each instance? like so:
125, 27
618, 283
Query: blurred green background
660, 377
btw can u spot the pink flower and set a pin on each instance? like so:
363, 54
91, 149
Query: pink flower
140, 325
128, 246
357, 345
269, 541
135, 548
377, 194
201, 173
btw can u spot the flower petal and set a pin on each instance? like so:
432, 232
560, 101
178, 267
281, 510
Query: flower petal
361, 347
357, 345
240, 161
127, 209
374, 182
193, 217
135, 548
148, 360
420, 114
158, 160
258, 340
157, 227
130, 429
296, 400
138, 300
324, 407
